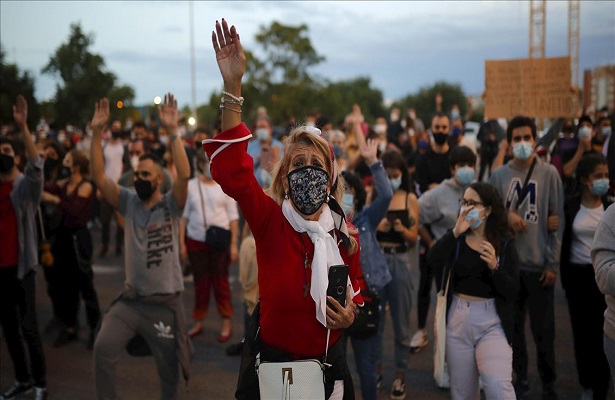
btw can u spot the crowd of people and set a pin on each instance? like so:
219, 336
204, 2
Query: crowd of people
502, 215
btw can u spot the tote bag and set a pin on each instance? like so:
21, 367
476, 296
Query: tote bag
440, 367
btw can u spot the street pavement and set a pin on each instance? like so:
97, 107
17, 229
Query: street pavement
214, 374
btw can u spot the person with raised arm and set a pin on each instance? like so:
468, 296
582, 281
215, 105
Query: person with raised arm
20, 195
300, 232
150, 308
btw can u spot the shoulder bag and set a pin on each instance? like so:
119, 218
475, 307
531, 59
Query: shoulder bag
440, 367
215, 236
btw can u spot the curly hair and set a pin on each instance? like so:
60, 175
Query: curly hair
497, 227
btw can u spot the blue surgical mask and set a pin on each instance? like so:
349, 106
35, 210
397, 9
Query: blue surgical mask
465, 175
523, 150
454, 114
395, 183
474, 215
600, 186
347, 203
337, 151
456, 131
585, 131
423, 144
262, 134
207, 170
606, 131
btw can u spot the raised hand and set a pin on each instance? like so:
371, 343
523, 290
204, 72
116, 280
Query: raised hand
229, 53
168, 113
101, 114
369, 150
20, 111
462, 225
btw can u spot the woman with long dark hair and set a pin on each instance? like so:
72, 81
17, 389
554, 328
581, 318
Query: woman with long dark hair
586, 304
396, 234
481, 260
72, 249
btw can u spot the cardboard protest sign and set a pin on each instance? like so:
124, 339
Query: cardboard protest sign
534, 87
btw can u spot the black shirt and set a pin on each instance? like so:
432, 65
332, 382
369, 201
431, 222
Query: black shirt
431, 168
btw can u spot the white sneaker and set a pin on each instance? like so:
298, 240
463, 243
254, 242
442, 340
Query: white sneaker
419, 340
398, 390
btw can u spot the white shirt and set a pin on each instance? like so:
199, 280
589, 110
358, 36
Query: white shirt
583, 229
220, 209
113, 153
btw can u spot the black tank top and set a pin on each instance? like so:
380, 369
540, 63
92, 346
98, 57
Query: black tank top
392, 236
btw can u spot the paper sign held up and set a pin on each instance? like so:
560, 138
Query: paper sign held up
534, 87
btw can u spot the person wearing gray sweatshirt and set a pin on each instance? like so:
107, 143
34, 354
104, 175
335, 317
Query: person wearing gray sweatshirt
603, 259
532, 192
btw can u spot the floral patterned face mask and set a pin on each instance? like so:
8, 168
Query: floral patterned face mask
308, 187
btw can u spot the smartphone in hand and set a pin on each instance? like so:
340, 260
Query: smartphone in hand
338, 281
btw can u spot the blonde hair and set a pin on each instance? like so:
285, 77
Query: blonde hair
301, 136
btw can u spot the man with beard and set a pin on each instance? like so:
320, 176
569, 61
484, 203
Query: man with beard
150, 308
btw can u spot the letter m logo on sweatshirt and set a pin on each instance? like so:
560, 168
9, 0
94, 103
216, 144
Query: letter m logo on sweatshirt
527, 207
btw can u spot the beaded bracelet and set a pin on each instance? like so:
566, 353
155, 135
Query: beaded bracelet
223, 107
232, 98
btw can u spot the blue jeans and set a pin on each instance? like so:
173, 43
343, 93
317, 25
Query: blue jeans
398, 294
365, 354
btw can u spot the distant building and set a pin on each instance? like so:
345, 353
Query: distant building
599, 87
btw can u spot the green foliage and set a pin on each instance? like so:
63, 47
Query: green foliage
424, 102
84, 79
13, 83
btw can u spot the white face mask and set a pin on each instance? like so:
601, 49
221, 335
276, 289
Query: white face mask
164, 139
380, 129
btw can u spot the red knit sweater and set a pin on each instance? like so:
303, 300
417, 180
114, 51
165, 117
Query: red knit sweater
288, 319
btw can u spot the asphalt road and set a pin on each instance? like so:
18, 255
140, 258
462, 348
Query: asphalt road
214, 374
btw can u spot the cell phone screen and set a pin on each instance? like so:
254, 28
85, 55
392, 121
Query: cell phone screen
338, 280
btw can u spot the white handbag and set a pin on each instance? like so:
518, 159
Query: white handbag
440, 368
300, 380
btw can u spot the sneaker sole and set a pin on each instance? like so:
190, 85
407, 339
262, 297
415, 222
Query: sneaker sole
416, 349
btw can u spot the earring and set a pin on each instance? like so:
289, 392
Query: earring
285, 195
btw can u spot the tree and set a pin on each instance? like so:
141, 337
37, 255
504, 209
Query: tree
84, 79
13, 83
424, 102
288, 52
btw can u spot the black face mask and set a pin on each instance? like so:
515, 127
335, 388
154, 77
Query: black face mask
440, 138
116, 135
64, 173
144, 189
50, 165
6, 163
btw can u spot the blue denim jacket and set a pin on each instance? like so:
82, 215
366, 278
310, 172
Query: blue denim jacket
373, 263
25, 197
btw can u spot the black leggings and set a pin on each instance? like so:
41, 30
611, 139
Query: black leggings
424, 292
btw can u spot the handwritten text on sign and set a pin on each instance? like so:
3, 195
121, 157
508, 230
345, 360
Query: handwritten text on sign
538, 87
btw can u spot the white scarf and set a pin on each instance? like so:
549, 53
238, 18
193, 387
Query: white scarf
326, 253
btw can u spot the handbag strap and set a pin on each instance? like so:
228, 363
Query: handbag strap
198, 181
525, 190
450, 268
40, 221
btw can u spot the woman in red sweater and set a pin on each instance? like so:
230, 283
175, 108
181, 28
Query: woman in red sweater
299, 231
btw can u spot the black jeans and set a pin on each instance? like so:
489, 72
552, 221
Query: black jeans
586, 305
538, 301
423, 297
18, 318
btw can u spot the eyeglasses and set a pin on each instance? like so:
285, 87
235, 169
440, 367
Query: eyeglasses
438, 127
465, 203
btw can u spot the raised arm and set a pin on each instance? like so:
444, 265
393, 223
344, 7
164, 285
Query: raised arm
20, 115
232, 64
168, 118
109, 189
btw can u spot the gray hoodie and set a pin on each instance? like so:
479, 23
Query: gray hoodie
538, 248
603, 258
439, 207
